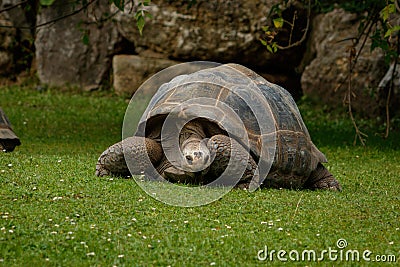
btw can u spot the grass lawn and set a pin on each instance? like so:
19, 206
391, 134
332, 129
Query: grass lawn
55, 212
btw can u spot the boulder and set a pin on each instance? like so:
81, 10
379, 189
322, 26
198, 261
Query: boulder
325, 78
220, 31
78, 49
130, 71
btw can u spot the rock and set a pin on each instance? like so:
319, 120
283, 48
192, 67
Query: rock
62, 56
130, 71
220, 31
325, 78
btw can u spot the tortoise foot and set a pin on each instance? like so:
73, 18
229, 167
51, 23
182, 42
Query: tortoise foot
321, 178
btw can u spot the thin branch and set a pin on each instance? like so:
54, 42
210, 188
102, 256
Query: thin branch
396, 3
53, 20
13, 6
297, 207
352, 62
389, 96
303, 38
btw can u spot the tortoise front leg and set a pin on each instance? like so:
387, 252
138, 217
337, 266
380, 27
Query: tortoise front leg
321, 178
223, 147
139, 149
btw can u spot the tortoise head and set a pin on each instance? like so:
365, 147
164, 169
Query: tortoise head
197, 156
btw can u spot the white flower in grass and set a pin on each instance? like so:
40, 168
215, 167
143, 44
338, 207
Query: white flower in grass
212, 263
90, 254
121, 256
280, 229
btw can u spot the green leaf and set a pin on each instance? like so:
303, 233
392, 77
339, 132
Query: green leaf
263, 42
392, 30
386, 11
278, 23
140, 23
269, 48
119, 4
85, 38
46, 2
265, 28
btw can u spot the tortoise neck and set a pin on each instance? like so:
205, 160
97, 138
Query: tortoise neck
192, 131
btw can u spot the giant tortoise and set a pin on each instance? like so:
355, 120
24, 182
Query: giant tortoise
266, 128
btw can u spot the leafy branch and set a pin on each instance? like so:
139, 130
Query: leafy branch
140, 14
279, 22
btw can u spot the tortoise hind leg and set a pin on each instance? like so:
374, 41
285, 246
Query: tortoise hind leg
138, 149
321, 178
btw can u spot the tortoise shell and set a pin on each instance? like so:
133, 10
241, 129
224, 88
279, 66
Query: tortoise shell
260, 115
8, 139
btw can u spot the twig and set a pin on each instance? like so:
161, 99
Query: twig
396, 3
53, 20
352, 62
303, 38
297, 207
391, 88
13, 6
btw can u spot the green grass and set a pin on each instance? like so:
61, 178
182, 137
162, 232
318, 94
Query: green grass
55, 212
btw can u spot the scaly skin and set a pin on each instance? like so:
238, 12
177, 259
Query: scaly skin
224, 148
112, 161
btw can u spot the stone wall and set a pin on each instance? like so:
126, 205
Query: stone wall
221, 31
88, 50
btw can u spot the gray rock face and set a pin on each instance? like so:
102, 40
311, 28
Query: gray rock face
61, 55
221, 31
325, 77
130, 71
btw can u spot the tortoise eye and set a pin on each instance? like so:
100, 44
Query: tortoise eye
189, 158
